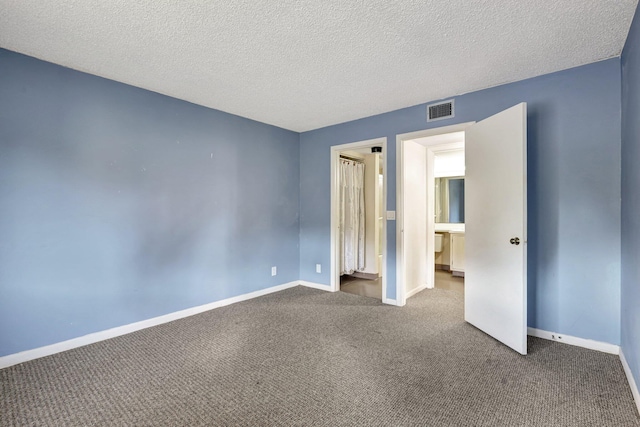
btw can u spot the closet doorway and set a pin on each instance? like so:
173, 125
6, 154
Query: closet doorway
358, 224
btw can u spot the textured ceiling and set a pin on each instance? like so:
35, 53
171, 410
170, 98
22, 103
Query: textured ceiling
303, 64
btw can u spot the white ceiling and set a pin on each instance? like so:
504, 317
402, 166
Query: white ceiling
304, 64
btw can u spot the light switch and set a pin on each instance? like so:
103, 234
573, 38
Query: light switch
391, 215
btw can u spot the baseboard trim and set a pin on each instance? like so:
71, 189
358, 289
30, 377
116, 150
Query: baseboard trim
36, 353
632, 382
313, 285
389, 301
575, 341
416, 290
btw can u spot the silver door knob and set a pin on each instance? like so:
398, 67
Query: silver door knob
514, 241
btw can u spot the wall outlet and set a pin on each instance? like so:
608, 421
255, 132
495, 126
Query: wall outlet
274, 271
318, 268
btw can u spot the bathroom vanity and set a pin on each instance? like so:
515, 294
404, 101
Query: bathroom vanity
450, 248
457, 253
449, 223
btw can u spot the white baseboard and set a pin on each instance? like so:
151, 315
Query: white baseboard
571, 340
36, 353
632, 382
389, 301
316, 286
416, 290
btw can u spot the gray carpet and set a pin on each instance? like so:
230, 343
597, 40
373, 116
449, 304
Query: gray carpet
306, 357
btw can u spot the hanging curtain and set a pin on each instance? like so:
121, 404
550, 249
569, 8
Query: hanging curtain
351, 216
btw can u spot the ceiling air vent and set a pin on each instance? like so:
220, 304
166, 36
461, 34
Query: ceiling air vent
443, 110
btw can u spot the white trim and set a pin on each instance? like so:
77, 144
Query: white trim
433, 131
575, 341
320, 286
400, 261
401, 300
36, 353
335, 155
418, 289
389, 301
631, 380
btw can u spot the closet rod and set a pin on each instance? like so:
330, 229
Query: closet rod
353, 159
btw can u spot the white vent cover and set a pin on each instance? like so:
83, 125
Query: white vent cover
442, 110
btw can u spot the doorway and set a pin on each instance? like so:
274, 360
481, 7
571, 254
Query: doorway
362, 270
495, 243
416, 207
449, 212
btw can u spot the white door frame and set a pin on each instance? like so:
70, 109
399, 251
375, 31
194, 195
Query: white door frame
335, 194
401, 294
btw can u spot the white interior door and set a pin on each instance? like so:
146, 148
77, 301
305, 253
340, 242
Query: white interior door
495, 298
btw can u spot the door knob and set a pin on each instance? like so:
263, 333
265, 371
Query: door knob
515, 241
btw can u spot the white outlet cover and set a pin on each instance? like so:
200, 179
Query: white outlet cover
391, 215
318, 268
274, 271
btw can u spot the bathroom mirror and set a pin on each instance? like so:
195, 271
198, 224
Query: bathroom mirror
450, 199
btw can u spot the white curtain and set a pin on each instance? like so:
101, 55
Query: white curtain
351, 216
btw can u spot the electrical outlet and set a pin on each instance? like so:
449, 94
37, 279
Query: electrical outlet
274, 271
318, 268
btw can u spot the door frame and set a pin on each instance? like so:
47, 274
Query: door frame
335, 192
401, 294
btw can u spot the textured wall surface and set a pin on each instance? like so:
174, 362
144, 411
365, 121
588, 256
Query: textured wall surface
118, 204
573, 192
630, 310
305, 64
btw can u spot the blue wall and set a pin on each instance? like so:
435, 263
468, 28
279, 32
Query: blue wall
574, 192
456, 200
630, 288
118, 204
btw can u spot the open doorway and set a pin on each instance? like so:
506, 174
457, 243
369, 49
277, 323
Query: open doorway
449, 178
358, 226
441, 185
427, 162
495, 218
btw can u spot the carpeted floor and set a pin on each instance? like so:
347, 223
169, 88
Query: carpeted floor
307, 357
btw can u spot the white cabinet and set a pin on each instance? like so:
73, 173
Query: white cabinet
457, 252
